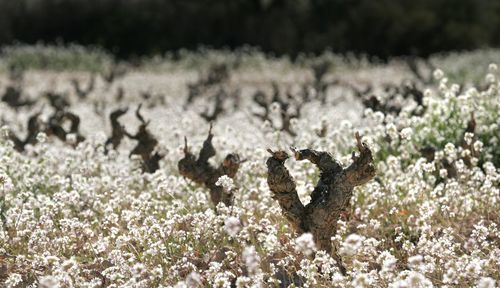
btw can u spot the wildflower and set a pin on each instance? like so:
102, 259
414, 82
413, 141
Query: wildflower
391, 130
13, 280
305, 244
5, 183
226, 182
193, 280
443, 173
449, 149
406, 133
41, 137
429, 167
352, 244
486, 282
478, 145
387, 260
490, 78
251, 259
71, 138
232, 226
416, 279
4, 131
275, 107
415, 261
438, 74
468, 137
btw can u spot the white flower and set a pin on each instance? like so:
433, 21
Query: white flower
478, 146
486, 282
391, 130
387, 260
490, 78
275, 107
48, 282
305, 244
438, 74
5, 183
41, 137
429, 167
406, 133
443, 173
449, 149
226, 182
351, 244
232, 226
13, 280
492, 67
251, 259
5, 131
193, 280
71, 138
416, 279
468, 137
415, 261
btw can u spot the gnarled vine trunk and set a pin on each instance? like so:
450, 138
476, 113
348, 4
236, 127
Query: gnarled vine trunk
200, 171
330, 197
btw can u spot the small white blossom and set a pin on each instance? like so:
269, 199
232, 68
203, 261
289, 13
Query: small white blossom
406, 133
251, 259
449, 149
490, 78
415, 261
226, 182
13, 280
5, 183
468, 137
478, 145
305, 244
443, 173
4, 131
232, 226
486, 282
71, 138
193, 280
438, 74
352, 244
41, 137
275, 107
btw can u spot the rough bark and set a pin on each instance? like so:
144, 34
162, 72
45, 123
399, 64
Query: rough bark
320, 85
115, 72
289, 108
200, 171
34, 127
117, 130
81, 91
13, 97
330, 197
218, 107
57, 101
216, 76
146, 144
55, 126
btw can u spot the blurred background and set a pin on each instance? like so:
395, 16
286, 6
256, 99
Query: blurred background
131, 29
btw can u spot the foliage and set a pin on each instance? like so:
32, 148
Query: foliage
57, 58
136, 28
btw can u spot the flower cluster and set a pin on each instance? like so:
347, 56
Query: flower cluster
79, 216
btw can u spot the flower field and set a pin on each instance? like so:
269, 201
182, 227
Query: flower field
160, 175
